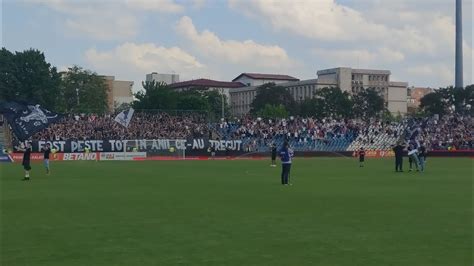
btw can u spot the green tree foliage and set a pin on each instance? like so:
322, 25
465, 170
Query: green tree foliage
273, 111
156, 95
159, 96
26, 76
192, 100
368, 103
432, 103
312, 107
215, 99
446, 100
273, 95
83, 91
332, 102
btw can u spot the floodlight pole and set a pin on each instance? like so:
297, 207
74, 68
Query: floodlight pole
459, 61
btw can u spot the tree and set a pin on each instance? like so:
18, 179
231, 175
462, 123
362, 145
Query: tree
214, 98
333, 102
273, 111
273, 95
368, 103
433, 103
26, 76
156, 95
119, 107
469, 100
83, 91
312, 107
192, 100
450, 99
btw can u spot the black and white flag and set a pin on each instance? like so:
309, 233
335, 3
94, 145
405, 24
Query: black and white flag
27, 119
124, 117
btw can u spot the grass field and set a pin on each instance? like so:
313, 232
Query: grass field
236, 213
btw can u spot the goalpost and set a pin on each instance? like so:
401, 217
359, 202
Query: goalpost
159, 149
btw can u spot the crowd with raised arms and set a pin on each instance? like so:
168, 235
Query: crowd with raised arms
142, 126
451, 132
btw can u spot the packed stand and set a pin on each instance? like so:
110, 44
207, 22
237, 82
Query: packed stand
452, 132
378, 135
302, 133
142, 126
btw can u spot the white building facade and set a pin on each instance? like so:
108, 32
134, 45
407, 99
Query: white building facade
162, 78
347, 79
242, 98
118, 92
354, 80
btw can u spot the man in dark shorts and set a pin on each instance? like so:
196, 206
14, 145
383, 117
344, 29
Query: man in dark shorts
46, 152
274, 155
26, 161
361, 157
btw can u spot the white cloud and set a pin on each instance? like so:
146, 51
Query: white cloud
116, 28
443, 73
389, 55
165, 6
211, 46
199, 3
394, 35
362, 58
106, 20
132, 61
321, 19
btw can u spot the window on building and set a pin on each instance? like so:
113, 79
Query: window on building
353, 77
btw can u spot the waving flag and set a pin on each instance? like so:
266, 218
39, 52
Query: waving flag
27, 119
124, 117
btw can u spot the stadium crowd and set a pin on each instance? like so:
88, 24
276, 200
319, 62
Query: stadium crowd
453, 132
142, 126
446, 133
295, 129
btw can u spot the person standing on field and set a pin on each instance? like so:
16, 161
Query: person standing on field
398, 150
46, 153
413, 155
361, 157
285, 154
274, 154
26, 160
422, 156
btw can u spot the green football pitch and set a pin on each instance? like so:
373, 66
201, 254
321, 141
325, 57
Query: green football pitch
236, 213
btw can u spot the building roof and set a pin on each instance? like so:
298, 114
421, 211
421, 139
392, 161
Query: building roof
267, 76
289, 84
354, 71
398, 84
209, 83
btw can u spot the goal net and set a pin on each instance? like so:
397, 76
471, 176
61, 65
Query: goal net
159, 149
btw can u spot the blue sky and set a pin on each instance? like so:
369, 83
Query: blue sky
219, 39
